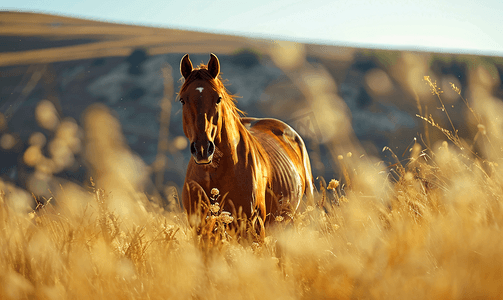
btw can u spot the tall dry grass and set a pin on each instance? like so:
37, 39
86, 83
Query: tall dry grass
428, 228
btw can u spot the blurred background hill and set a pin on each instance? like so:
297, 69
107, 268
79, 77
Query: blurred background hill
55, 70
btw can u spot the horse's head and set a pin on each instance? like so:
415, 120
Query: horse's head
201, 107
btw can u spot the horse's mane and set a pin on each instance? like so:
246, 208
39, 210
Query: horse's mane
231, 115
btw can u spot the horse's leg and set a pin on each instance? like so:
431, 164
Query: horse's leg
195, 202
260, 210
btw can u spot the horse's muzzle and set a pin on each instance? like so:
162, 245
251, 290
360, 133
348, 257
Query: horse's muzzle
202, 152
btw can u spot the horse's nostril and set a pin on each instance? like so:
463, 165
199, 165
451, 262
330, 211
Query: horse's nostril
193, 149
211, 148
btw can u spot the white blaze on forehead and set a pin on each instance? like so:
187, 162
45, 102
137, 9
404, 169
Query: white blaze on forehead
200, 89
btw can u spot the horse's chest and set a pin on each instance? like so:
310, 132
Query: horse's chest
232, 180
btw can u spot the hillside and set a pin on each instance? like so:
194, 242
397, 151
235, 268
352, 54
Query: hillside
358, 100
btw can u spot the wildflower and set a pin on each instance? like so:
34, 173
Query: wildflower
309, 208
279, 219
215, 208
225, 217
333, 184
214, 192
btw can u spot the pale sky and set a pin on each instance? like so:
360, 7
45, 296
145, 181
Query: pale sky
460, 26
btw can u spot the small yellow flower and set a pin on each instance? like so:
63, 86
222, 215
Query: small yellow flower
226, 217
333, 184
214, 192
215, 208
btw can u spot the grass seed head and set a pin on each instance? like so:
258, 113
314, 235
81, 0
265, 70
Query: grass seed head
214, 192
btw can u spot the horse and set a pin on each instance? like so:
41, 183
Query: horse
260, 165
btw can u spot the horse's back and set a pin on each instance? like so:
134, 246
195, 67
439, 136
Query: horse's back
291, 170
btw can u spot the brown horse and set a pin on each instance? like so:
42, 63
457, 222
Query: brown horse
260, 165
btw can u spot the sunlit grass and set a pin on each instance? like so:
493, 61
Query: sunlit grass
426, 227
432, 232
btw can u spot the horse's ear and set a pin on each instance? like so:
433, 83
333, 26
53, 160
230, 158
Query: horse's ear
213, 66
185, 66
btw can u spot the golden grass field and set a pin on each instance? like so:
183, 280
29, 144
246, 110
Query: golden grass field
427, 227
433, 232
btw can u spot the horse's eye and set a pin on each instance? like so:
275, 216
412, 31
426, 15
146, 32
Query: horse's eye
219, 99
182, 101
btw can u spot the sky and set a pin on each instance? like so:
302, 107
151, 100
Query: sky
460, 26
